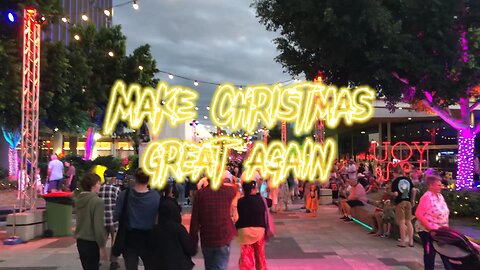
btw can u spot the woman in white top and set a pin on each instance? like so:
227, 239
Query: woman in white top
432, 213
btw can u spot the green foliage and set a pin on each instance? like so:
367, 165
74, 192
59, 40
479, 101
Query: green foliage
132, 164
461, 203
110, 162
6, 184
367, 41
10, 85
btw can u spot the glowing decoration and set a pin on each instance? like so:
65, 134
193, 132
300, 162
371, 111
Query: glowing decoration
100, 171
182, 159
11, 17
154, 105
13, 139
276, 161
465, 161
403, 162
301, 103
89, 143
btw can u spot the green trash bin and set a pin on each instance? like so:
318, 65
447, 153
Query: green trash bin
59, 213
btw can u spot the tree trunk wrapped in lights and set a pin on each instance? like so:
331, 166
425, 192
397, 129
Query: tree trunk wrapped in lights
13, 140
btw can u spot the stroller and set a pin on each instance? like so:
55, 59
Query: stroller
457, 248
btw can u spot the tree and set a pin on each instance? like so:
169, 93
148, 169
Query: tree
418, 51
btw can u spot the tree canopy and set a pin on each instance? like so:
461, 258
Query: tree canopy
399, 47
75, 78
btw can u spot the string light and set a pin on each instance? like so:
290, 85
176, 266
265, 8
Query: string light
466, 145
195, 83
140, 67
107, 12
111, 54
65, 20
239, 86
84, 17
76, 37
135, 5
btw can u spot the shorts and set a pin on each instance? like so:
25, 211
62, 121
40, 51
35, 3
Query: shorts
403, 211
353, 203
55, 184
388, 214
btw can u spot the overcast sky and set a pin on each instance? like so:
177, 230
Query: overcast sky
209, 40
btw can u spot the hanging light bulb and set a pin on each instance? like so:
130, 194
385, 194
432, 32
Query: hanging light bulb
170, 76
107, 12
111, 54
140, 67
84, 17
135, 5
76, 37
205, 117
208, 108
65, 20
195, 83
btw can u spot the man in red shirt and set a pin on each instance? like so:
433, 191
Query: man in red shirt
211, 216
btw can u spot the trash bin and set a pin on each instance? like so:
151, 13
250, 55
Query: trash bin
325, 196
59, 213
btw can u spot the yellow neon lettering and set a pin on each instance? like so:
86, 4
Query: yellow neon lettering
136, 105
302, 104
179, 159
275, 161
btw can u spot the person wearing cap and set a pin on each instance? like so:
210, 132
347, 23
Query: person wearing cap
357, 197
109, 194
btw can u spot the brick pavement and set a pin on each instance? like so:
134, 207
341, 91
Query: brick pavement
301, 242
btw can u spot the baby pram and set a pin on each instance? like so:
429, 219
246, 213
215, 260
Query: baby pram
456, 247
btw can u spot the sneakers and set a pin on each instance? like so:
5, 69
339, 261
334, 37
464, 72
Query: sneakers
348, 219
344, 217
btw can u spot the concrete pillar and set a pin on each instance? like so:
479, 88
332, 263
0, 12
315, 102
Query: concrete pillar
57, 143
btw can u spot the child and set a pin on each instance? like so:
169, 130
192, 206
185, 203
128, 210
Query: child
312, 200
169, 241
38, 181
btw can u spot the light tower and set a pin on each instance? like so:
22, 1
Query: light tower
30, 97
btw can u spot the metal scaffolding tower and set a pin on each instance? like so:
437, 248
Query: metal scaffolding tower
30, 97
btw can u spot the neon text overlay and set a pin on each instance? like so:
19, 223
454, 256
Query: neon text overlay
312, 161
136, 105
182, 159
302, 104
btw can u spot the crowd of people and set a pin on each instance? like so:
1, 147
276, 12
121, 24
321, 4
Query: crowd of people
148, 223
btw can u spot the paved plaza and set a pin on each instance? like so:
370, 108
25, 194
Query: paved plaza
301, 242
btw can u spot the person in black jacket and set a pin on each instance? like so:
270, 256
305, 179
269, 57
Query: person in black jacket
251, 227
172, 249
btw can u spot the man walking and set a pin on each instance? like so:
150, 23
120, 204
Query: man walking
71, 181
142, 208
211, 217
109, 194
55, 173
404, 192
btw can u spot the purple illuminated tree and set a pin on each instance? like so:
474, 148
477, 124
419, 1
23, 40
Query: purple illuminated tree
418, 51
13, 140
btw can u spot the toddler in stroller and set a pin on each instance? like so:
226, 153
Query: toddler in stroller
461, 253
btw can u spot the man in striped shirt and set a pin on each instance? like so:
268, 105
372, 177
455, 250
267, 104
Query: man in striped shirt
109, 194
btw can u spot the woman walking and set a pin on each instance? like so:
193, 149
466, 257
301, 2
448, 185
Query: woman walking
432, 213
90, 231
251, 226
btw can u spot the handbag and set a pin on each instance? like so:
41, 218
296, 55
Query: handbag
270, 226
119, 245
